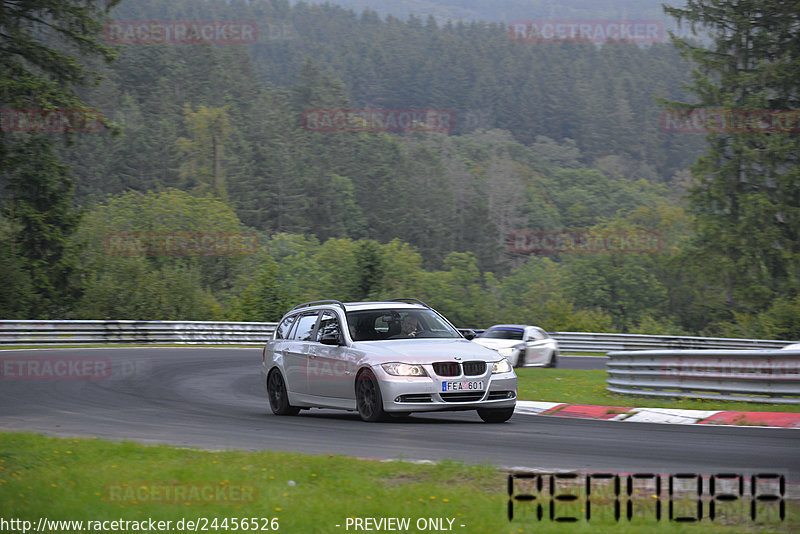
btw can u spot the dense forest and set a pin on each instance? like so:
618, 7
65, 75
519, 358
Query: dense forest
548, 137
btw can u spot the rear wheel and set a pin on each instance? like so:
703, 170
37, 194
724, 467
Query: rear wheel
496, 415
553, 359
278, 395
520, 359
368, 397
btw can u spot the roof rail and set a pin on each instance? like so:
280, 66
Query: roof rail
316, 302
409, 299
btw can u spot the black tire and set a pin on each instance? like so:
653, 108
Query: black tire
368, 398
278, 396
521, 359
496, 415
553, 360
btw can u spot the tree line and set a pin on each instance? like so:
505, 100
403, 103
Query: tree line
209, 139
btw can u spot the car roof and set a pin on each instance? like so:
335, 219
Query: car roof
379, 305
509, 326
360, 306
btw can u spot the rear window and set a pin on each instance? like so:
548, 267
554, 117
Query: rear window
282, 332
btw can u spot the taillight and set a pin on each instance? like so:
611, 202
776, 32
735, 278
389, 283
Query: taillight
264, 354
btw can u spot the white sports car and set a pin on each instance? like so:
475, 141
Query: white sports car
522, 345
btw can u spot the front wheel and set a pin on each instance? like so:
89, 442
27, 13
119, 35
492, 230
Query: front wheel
496, 415
278, 395
368, 398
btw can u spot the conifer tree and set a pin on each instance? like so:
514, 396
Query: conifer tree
747, 197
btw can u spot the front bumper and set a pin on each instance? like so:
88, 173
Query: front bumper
425, 394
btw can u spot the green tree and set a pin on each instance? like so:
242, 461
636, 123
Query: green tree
15, 284
130, 288
622, 284
40, 209
461, 292
265, 298
180, 284
39, 42
370, 269
746, 201
204, 152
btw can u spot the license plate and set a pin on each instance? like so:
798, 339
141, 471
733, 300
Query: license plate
462, 386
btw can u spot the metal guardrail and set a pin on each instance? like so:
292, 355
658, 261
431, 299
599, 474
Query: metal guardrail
713, 369
590, 342
750, 375
133, 332
79, 332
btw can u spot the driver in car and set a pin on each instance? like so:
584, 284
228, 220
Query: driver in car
409, 327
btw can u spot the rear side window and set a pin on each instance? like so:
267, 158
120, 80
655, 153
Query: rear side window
282, 332
305, 327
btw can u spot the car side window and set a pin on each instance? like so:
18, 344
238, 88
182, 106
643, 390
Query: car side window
328, 324
305, 327
282, 332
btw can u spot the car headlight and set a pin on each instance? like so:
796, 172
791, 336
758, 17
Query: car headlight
501, 367
404, 369
506, 351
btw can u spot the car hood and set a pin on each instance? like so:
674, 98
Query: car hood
496, 343
424, 350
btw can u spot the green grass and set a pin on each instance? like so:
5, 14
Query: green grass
576, 386
95, 480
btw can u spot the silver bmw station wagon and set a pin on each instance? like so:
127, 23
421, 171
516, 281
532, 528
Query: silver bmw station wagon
381, 359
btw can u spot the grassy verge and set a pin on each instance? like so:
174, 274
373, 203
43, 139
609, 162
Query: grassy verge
589, 387
95, 480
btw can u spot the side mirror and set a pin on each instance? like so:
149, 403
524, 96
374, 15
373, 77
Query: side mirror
467, 333
330, 339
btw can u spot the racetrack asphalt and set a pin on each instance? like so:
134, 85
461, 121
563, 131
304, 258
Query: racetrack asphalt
214, 398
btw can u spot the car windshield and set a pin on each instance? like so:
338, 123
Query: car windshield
401, 323
503, 333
